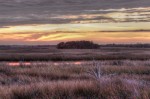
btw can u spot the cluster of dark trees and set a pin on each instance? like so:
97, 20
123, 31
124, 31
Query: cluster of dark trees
127, 45
77, 45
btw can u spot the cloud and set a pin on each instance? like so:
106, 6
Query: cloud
20, 12
82, 28
50, 38
53, 20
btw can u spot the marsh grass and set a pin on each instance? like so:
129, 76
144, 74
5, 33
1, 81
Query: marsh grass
89, 80
51, 53
106, 88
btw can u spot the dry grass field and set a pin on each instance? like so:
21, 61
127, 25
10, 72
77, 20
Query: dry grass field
51, 53
50, 73
123, 79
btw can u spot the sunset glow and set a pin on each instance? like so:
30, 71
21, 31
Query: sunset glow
46, 25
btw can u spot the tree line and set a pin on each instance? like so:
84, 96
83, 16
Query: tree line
77, 45
127, 45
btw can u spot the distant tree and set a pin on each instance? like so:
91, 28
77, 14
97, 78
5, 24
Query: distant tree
60, 45
77, 45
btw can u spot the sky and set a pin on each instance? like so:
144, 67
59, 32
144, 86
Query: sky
51, 21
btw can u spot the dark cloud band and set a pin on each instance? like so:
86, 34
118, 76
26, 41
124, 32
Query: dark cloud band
20, 12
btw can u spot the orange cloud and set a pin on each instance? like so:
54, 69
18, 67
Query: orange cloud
100, 37
106, 32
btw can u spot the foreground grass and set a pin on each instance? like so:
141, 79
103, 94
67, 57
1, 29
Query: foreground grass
119, 80
105, 88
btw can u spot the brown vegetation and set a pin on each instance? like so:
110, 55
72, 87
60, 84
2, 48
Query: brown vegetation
119, 80
51, 53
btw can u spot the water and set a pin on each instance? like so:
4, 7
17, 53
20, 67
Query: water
16, 64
